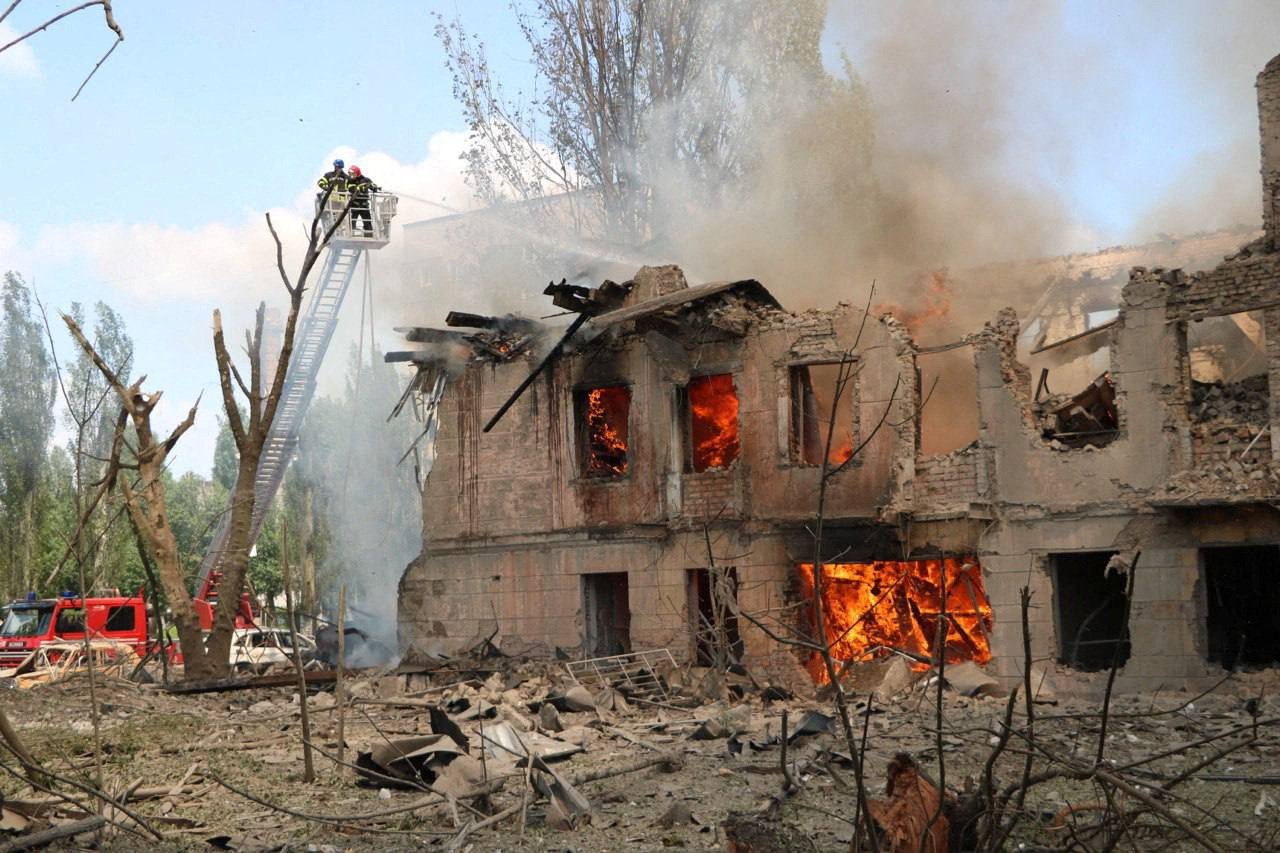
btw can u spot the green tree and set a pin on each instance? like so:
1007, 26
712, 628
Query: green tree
26, 425
90, 417
642, 100
226, 459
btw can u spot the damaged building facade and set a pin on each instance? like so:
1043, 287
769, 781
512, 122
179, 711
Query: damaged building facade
685, 428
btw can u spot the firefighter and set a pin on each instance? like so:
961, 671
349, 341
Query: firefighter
335, 178
360, 186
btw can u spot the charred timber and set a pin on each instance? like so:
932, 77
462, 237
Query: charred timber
584, 300
542, 365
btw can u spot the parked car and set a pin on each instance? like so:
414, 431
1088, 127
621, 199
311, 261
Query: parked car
258, 648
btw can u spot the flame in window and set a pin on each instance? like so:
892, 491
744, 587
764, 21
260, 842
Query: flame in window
871, 607
713, 421
606, 412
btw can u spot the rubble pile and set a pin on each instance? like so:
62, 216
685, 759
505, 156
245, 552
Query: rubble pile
496, 753
1237, 479
1244, 401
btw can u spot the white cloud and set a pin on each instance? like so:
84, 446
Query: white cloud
232, 263
19, 60
167, 277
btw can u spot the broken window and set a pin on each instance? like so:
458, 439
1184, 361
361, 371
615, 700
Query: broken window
606, 614
1243, 612
602, 417
872, 608
712, 620
1090, 606
948, 399
1228, 366
813, 388
711, 412
1090, 417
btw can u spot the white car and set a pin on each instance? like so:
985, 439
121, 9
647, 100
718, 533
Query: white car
257, 648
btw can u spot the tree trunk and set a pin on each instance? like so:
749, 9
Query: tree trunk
235, 565
154, 522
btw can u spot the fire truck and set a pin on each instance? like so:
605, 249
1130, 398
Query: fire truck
34, 622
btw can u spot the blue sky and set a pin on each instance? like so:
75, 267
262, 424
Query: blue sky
148, 191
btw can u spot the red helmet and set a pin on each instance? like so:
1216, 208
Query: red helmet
355, 170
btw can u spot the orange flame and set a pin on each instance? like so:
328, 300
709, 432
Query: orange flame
869, 607
713, 421
933, 307
607, 411
841, 449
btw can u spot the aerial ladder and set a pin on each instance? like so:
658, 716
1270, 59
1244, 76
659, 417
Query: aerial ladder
347, 247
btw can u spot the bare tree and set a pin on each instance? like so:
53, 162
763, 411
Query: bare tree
145, 499
251, 426
107, 13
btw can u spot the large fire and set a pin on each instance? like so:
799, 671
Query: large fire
607, 410
872, 607
713, 421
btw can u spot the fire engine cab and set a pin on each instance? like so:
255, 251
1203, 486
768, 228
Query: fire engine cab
34, 622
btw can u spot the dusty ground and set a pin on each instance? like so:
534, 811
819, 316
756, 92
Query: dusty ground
251, 739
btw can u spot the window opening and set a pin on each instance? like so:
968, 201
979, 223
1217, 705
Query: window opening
121, 618
949, 399
871, 608
812, 390
1243, 613
1228, 367
70, 621
711, 404
606, 614
1090, 606
602, 415
704, 624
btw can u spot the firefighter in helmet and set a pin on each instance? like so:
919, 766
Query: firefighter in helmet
335, 178
359, 185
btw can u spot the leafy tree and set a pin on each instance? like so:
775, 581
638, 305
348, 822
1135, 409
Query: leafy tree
26, 425
226, 458
57, 523
90, 415
643, 106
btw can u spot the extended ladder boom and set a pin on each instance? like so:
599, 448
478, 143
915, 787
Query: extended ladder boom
311, 340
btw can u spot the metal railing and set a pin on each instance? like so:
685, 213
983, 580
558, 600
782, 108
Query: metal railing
369, 225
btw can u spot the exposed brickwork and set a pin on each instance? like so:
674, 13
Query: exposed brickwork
711, 494
945, 483
1269, 125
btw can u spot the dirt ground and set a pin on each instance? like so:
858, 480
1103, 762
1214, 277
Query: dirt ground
172, 750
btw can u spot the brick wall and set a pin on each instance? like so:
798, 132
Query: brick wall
1222, 441
711, 493
946, 482
1269, 123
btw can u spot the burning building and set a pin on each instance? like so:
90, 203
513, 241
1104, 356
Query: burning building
684, 428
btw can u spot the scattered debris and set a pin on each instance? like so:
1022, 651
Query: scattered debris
635, 674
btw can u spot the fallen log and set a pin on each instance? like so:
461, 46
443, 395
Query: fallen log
669, 762
48, 836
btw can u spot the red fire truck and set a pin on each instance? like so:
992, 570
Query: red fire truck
34, 622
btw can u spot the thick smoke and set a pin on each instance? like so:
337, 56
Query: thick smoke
958, 140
